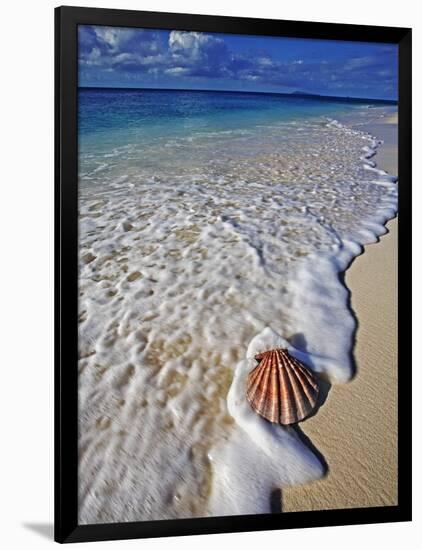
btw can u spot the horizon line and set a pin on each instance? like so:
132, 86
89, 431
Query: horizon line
289, 94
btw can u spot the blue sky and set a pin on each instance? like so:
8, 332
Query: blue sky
146, 58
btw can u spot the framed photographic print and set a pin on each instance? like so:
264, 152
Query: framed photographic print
232, 291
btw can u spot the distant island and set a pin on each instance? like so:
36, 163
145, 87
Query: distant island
307, 95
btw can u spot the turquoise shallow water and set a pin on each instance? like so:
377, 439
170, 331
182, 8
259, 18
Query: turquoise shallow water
117, 116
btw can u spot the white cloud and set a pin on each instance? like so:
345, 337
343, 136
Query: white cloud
125, 57
176, 71
113, 37
265, 62
360, 62
93, 58
193, 45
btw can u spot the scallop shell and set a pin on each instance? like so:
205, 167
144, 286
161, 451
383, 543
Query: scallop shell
280, 388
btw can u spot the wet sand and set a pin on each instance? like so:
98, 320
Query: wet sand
356, 428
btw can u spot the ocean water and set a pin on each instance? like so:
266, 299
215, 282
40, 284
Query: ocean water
211, 225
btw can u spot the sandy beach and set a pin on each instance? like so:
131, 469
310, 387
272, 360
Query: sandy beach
356, 428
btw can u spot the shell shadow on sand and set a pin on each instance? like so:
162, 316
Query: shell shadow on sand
298, 340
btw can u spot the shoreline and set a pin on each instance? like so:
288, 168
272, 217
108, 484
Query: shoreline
360, 445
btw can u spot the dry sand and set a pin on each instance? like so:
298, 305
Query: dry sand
355, 430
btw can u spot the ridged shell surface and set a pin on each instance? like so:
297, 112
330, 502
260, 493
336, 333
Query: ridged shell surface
280, 388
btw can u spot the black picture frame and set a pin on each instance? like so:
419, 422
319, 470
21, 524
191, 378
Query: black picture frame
66, 275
